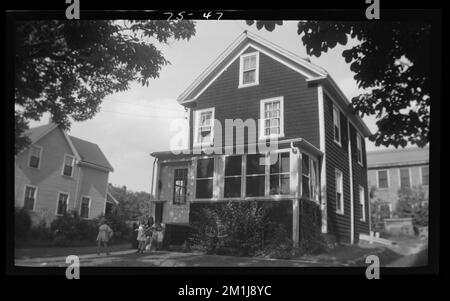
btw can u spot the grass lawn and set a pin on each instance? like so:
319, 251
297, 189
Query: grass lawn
37, 252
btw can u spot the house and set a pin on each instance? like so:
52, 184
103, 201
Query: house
319, 159
58, 173
392, 169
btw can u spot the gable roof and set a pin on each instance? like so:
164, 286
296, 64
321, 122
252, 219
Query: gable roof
398, 157
312, 72
87, 152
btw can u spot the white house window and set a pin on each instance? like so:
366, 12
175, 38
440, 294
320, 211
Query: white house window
255, 176
383, 180
63, 200
204, 126
339, 192
309, 178
249, 69
85, 206
205, 178
35, 156
337, 125
68, 165
359, 152
425, 171
280, 174
404, 178
362, 204
30, 197
272, 118
233, 176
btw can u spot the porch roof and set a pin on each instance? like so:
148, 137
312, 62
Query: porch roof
301, 143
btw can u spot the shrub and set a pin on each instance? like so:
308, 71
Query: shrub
116, 221
22, 224
70, 228
311, 238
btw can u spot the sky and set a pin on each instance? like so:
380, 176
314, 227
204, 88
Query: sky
137, 122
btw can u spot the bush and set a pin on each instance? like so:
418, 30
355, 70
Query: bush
22, 224
70, 228
116, 221
311, 238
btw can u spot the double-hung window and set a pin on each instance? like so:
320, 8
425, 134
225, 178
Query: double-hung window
359, 152
204, 127
85, 206
30, 197
272, 118
68, 165
383, 180
255, 175
339, 192
249, 69
63, 201
35, 156
337, 125
309, 178
180, 186
280, 174
425, 173
405, 181
233, 176
205, 178
362, 204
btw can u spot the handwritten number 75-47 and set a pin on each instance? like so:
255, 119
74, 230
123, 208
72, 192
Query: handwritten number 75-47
180, 15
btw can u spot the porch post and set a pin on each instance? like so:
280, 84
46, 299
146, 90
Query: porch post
322, 169
295, 167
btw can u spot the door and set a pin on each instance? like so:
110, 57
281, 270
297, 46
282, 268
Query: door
159, 212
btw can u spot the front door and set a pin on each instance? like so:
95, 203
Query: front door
158, 212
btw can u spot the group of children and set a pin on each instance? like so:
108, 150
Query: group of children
149, 235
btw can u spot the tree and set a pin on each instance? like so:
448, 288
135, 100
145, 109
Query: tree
412, 202
132, 205
391, 61
67, 68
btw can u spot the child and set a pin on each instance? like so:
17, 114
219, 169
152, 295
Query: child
104, 235
141, 238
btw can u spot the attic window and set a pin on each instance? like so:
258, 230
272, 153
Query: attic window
249, 69
68, 165
35, 156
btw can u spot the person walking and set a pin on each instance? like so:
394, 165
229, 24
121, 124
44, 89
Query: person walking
104, 235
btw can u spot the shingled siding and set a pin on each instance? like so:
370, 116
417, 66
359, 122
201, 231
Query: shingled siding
275, 79
336, 158
359, 178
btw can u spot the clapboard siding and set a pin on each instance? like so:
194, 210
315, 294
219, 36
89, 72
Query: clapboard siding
275, 79
359, 179
337, 158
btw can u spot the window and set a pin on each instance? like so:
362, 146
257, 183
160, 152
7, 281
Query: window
63, 199
256, 175
30, 197
309, 178
337, 125
359, 152
272, 118
85, 206
425, 172
179, 186
68, 165
205, 177
383, 180
35, 156
249, 69
204, 127
280, 174
233, 176
339, 192
404, 178
362, 204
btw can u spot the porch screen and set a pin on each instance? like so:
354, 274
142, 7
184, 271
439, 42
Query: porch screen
255, 176
205, 177
279, 174
233, 176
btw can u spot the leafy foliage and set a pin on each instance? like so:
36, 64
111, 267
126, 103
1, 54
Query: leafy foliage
132, 205
412, 202
70, 228
22, 223
67, 68
392, 61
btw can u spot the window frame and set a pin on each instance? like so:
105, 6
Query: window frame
362, 202
81, 205
314, 194
57, 202
421, 175
241, 69
341, 185
212, 178
400, 177
185, 186
387, 179
34, 196
262, 119
269, 173
40, 156
241, 176
64, 165
338, 111
197, 114
359, 149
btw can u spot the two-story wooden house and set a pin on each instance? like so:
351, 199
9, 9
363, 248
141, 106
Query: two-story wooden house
320, 155
58, 173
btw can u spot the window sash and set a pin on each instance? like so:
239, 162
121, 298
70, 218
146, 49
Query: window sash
68, 165
35, 157
249, 69
180, 186
337, 125
339, 192
404, 178
63, 199
204, 126
272, 117
279, 173
362, 200
359, 148
30, 197
85, 204
425, 175
383, 180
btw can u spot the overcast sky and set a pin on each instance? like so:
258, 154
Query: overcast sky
132, 124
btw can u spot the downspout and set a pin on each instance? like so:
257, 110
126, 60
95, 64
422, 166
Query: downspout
350, 166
